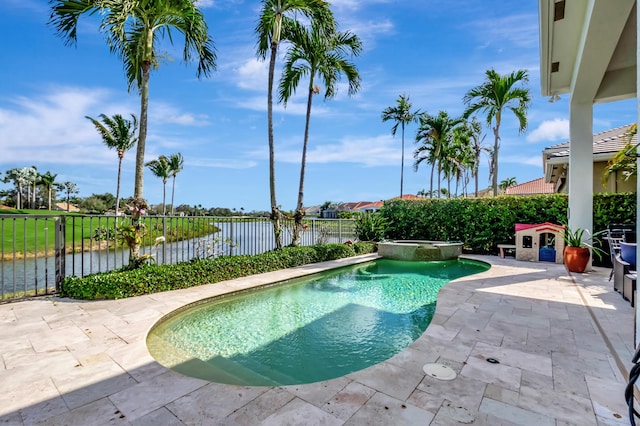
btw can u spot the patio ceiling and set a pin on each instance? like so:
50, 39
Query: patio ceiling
588, 49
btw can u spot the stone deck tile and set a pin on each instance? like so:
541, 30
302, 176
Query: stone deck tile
212, 403
299, 412
349, 400
72, 362
384, 410
318, 393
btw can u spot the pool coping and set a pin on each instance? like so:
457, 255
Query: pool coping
78, 362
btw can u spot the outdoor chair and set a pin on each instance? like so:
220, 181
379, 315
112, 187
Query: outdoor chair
614, 249
620, 269
624, 265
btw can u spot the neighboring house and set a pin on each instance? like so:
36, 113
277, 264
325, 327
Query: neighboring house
605, 146
533, 187
312, 211
62, 207
360, 206
370, 207
329, 213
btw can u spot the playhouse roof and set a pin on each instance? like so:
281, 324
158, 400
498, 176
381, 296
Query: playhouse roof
547, 226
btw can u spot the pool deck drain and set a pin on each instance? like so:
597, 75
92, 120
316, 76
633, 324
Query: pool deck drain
439, 371
564, 343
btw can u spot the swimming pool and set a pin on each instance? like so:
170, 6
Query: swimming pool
309, 329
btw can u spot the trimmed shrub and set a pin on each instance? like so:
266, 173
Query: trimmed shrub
483, 223
370, 227
155, 278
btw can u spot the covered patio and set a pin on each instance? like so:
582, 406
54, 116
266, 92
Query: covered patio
589, 51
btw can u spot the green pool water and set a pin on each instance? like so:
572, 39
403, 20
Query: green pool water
307, 330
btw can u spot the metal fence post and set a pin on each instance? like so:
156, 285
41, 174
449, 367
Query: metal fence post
231, 238
60, 252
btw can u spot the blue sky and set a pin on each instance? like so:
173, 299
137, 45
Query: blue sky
433, 51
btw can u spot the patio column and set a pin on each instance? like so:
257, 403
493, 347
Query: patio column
637, 325
581, 166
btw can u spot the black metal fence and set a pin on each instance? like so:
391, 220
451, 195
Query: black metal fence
37, 252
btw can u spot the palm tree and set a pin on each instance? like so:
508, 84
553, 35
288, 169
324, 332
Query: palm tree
402, 115
434, 133
491, 97
316, 53
625, 160
132, 28
160, 168
19, 178
119, 134
474, 131
278, 18
176, 164
69, 188
34, 178
460, 156
506, 183
48, 181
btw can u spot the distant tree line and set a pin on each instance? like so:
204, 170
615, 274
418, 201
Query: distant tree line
29, 189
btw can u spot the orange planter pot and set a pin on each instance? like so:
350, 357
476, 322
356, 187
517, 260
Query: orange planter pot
576, 258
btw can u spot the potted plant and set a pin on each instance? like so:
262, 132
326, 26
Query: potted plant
577, 249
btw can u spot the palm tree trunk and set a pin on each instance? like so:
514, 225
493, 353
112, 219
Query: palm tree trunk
164, 197
299, 214
476, 183
496, 134
142, 135
19, 197
275, 212
49, 198
118, 186
433, 167
173, 188
439, 178
402, 163
142, 138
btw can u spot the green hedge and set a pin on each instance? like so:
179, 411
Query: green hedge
483, 223
156, 278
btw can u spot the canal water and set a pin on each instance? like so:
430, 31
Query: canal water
239, 238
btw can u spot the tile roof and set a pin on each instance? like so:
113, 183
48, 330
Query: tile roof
533, 187
406, 197
607, 142
374, 205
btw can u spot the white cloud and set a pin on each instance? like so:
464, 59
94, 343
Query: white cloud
529, 160
355, 4
374, 151
550, 130
51, 127
222, 163
521, 30
367, 30
205, 3
297, 105
252, 75
163, 113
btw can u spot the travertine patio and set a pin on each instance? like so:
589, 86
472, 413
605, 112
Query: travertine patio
563, 344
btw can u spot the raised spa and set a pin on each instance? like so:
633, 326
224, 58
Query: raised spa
419, 250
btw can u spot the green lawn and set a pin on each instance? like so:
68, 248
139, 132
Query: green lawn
36, 233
